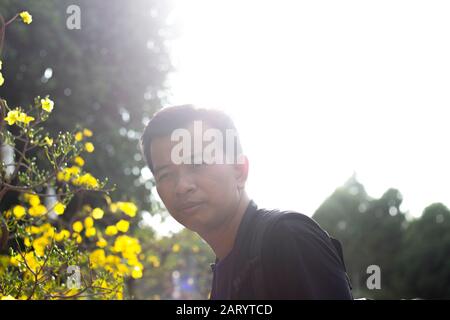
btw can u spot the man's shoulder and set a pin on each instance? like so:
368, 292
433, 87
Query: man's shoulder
286, 222
285, 232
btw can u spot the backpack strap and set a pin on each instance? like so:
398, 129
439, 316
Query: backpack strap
249, 257
255, 264
257, 279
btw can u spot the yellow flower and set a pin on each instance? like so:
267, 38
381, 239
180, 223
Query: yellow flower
97, 213
88, 222
176, 248
32, 199
136, 273
64, 234
78, 136
60, 176
33, 229
112, 259
39, 245
122, 269
48, 141
154, 260
67, 173
129, 208
97, 258
12, 117
128, 246
19, 212
30, 259
87, 179
26, 17
2, 80
1, 64
27, 242
77, 237
8, 297
87, 133
47, 104
23, 117
59, 208
111, 230
79, 161
37, 211
89, 147
101, 243
90, 232
77, 226
28, 119
123, 225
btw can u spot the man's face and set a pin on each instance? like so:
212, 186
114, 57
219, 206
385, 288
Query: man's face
199, 196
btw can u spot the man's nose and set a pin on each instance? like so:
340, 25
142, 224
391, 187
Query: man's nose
185, 184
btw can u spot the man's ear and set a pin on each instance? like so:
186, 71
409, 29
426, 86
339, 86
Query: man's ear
241, 171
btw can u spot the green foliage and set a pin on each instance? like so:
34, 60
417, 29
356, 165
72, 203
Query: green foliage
412, 255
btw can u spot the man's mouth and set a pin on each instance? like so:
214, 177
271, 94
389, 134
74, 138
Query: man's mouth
190, 207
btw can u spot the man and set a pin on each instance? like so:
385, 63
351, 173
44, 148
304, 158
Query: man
200, 172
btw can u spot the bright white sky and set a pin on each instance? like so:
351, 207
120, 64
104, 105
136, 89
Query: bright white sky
320, 89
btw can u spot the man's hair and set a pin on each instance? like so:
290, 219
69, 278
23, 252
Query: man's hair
165, 121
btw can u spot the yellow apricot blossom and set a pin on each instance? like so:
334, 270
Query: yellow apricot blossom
128, 246
88, 222
87, 180
59, 208
111, 230
97, 213
123, 225
37, 211
89, 147
47, 104
27, 242
87, 133
154, 260
31, 198
79, 161
62, 235
77, 226
77, 236
97, 258
129, 208
136, 273
79, 136
39, 245
32, 229
27, 18
19, 211
101, 243
23, 117
14, 116
90, 232
48, 141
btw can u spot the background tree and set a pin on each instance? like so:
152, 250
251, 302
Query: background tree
370, 230
109, 76
424, 269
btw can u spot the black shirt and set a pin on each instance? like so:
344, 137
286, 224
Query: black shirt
299, 261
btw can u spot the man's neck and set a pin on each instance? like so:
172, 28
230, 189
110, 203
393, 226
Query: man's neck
221, 240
